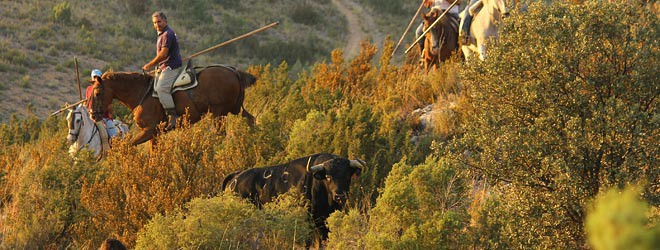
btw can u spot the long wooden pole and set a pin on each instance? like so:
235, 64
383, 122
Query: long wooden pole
431, 26
68, 107
233, 40
408, 28
75, 62
228, 42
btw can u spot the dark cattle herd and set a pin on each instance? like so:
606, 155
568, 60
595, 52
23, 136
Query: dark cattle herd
323, 179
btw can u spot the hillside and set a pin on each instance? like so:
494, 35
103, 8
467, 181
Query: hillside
41, 38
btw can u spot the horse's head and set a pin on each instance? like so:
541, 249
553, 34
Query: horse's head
101, 98
75, 121
433, 37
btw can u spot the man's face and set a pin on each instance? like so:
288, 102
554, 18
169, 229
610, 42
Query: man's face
159, 23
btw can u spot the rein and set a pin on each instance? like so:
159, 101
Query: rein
95, 129
146, 93
94, 132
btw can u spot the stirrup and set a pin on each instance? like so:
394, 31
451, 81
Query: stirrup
171, 123
171, 119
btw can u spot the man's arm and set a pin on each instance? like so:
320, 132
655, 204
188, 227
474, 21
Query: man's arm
161, 56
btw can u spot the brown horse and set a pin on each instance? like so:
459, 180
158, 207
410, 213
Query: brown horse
220, 91
441, 41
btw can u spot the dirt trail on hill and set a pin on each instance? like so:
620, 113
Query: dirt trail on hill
360, 23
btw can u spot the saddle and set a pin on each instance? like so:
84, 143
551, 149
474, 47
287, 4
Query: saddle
187, 79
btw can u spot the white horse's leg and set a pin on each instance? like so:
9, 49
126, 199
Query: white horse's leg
73, 149
467, 52
482, 51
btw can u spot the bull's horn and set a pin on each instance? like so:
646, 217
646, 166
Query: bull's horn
358, 163
308, 162
315, 168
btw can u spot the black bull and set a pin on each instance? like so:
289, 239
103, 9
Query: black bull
323, 179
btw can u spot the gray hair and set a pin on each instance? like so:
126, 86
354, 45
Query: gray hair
159, 14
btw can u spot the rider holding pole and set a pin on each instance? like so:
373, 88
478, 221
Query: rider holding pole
444, 5
468, 13
169, 64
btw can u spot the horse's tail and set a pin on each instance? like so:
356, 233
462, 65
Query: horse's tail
247, 79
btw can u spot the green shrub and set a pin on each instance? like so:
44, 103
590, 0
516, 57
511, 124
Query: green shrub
4, 67
138, 184
421, 207
62, 13
347, 230
228, 221
304, 13
553, 119
41, 187
618, 219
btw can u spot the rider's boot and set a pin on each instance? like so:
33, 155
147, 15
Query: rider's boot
171, 116
464, 35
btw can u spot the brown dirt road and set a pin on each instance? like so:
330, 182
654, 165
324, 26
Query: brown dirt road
361, 25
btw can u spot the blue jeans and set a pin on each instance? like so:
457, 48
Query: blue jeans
110, 127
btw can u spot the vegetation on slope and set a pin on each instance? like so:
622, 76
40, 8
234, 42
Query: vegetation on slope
40, 40
537, 137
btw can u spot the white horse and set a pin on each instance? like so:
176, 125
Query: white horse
83, 132
484, 26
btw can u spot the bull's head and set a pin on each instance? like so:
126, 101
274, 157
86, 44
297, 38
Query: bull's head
336, 175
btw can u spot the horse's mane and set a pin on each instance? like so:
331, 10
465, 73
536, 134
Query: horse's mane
123, 76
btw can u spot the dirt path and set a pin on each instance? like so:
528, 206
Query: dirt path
360, 23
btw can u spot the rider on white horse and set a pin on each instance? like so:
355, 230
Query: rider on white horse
469, 12
84, 132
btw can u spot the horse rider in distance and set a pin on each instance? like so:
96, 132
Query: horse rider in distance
169, 64
443, 4
468, 13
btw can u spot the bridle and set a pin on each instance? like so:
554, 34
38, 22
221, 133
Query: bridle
435, 36
98, 108
75, 131
72, 124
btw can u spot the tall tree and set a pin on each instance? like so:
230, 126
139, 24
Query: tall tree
564, 106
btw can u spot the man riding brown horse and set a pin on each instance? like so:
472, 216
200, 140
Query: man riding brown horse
441, 5
169, 64
220, 90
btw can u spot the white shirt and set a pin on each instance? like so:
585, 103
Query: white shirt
444, 4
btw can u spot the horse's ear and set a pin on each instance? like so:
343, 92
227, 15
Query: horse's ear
434, 13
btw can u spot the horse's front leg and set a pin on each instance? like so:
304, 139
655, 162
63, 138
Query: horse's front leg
466, 52
144, 136
482, 51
